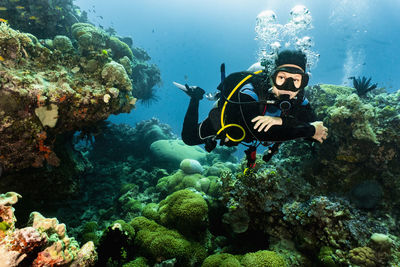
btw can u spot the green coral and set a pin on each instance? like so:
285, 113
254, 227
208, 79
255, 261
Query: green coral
88, 36
114, 74
263, 258
150, 211
139, 262
184, 210
4, 226
221, 260
326, 257
63, 43
89, 233
180, 180
157, 242
126, 228
119, 48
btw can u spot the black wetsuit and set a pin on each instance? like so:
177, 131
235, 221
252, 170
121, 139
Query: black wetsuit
295, 121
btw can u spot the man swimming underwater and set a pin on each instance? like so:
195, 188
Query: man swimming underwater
256, 107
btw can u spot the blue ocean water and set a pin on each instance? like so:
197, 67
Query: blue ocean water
188, 40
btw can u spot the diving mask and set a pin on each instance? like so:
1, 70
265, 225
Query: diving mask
289, 78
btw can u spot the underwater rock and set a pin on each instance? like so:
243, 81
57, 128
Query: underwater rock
238, 219
116, 243
382, 241
172, 152
367, 194
191, 166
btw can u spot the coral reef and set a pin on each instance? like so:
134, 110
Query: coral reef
287, 200
180, 180
262, 258
43, 242
44, 19
159, 243
42, 97
185, 211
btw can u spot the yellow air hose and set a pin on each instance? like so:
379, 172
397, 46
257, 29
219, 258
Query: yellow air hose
223, 126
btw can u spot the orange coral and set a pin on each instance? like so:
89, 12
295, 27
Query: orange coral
44, 259
27, 239
40, 102
62, 99
81, 113
42, 147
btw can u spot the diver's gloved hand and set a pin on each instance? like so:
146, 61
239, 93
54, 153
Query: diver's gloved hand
212, 96
194, 92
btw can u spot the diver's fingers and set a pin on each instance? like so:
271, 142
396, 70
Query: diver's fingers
257, 120
268, 126
262, 126
180, 86
265, 125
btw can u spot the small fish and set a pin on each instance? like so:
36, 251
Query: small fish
33, 18
2, 58
20, 7
3, 20
58, 8
3, 8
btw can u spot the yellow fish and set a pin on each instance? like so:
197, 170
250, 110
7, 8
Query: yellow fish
3, 8
58, 8
33, 18
20, 7
3, 20
2, 58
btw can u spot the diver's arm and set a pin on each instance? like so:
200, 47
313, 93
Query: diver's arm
190, 129
194, 133
276, 132
301, 115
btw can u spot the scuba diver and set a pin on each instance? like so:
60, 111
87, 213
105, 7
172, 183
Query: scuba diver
256, 108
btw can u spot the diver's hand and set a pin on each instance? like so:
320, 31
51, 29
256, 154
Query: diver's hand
194, 92
266, 122
321, 132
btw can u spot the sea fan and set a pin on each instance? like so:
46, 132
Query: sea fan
362, 85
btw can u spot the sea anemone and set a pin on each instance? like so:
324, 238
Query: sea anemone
362, 85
